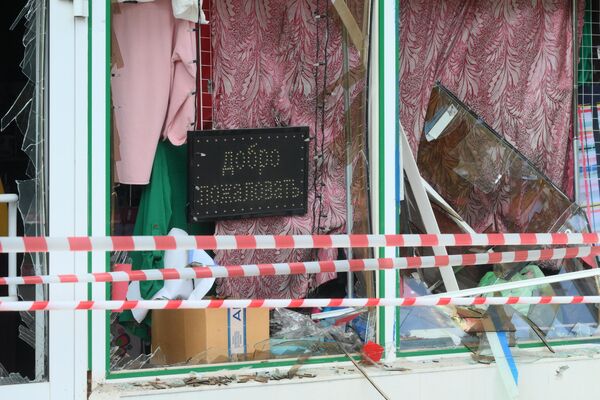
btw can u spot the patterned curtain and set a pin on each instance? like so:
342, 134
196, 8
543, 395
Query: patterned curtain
264, 56
509, 60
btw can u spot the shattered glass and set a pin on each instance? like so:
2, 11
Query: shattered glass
489, 187
488, 182
354, 149
292, 335
28, 114
11, 378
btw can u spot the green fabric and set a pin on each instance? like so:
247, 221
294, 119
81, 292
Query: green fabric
529, 272
585, 49
162, 207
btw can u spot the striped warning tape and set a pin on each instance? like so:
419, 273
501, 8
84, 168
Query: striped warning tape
312, 267
288, 303
143, 243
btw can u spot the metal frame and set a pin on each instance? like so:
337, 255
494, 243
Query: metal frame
383, 69
66, 118
12, 200
390, 171
431, 226
40, 326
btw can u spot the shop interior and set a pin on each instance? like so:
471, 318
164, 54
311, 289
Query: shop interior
231, 70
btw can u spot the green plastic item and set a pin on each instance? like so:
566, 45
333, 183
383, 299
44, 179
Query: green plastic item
162, 207
585, 49
528, 272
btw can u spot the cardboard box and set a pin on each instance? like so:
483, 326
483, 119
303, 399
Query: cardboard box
210, 335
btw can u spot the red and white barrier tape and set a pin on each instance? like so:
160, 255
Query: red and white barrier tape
312, 267
143, 243
287, 303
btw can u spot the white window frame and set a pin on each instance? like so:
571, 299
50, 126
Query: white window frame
67, 192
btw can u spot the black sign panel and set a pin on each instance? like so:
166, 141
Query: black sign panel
247, 172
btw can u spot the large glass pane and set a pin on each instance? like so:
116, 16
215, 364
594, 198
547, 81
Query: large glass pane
23, 171
487, 185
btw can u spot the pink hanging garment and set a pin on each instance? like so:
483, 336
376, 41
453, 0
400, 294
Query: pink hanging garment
180, 116
264, 54
153, 91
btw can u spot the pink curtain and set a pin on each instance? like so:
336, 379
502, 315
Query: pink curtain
511, 61
264, 55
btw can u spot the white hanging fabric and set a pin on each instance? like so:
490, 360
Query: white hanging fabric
188, 10
194, 289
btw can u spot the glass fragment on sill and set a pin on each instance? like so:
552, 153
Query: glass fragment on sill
11, 378
123, 361
305, 336
198, 380
527, 357
294, 335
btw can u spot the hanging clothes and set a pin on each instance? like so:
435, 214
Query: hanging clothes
153, 89
163, 206
190, 10
264, 55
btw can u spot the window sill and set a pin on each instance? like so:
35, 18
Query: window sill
543, 375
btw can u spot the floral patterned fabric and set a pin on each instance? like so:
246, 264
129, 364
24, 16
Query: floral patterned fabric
510, 61
264, 54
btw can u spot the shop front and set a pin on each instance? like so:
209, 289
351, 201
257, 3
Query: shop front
237, 120
271, 123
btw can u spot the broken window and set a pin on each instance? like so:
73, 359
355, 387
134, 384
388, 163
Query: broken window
244, 65
23, 148
488, 186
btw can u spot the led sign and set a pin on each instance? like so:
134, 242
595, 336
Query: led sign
247, 173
